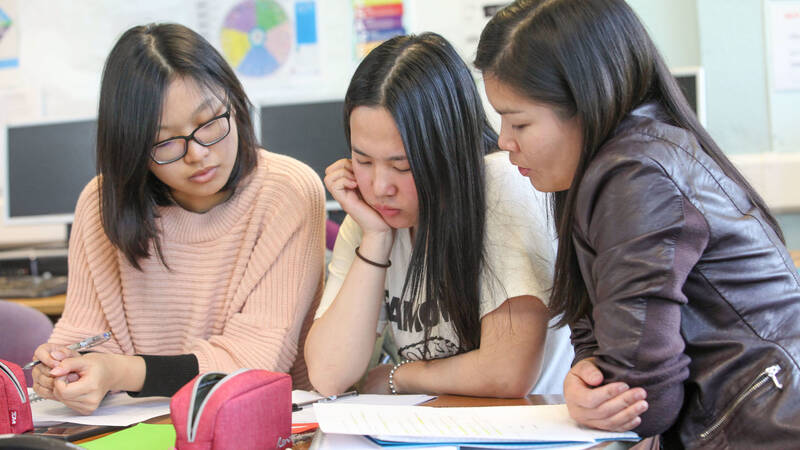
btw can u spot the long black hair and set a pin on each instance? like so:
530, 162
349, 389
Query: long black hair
593, 59
429, 91
137, 73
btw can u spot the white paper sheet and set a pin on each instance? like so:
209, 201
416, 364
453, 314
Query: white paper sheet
323, 441
544, 423
306, 415
117, 409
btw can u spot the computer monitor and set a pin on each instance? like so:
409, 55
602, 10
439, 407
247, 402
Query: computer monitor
692, 82
47, 165
310, 132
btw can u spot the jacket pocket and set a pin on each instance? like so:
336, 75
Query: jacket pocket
763, 379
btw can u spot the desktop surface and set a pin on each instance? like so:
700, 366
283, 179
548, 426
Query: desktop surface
32, 286
38, 259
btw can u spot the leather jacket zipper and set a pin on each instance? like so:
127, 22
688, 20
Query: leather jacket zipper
768, 374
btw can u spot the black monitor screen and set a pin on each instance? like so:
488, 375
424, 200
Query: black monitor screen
48, 166
688, 84
311, 132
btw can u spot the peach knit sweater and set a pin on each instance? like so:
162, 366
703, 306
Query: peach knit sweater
242, 277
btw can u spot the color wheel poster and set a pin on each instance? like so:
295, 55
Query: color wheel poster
271, 44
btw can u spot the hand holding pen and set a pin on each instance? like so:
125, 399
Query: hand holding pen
81, 380
78, 346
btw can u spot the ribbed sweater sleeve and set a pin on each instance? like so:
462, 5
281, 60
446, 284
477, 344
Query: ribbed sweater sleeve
83, 314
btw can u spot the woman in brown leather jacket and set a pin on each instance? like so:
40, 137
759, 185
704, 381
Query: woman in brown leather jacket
671, 271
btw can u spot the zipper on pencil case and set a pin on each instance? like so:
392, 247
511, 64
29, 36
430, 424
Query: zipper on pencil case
14, 380
770, 373
211, 380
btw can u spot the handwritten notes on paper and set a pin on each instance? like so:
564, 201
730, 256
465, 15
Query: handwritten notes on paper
523, 424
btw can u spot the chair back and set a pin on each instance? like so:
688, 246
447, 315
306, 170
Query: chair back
331, 231
22, 329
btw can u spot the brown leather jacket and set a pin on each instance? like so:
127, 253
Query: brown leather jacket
694, 297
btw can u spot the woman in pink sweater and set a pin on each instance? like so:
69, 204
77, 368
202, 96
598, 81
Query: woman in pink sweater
195, 248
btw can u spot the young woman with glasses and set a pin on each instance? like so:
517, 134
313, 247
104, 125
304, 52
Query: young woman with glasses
671, 271
430, 248
195, 248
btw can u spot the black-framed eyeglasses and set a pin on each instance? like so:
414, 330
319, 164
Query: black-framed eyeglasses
207, 134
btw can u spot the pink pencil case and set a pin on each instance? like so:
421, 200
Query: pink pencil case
247, 409
15, 409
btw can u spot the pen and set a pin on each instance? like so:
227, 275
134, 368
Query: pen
298, 406
82, 345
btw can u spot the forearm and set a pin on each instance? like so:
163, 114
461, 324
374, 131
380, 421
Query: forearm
479, 373
81, 382
506, 364
149, 375
128, 373
340, 343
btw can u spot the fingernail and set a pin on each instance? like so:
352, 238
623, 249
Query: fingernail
641, 407
57, 355
58, 371
623, 387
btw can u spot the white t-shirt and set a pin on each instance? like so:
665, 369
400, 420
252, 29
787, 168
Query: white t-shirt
520, 253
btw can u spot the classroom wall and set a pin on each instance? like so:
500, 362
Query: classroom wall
62, 46
733, 54
674, 27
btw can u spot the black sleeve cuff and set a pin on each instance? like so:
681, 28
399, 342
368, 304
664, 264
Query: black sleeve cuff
164, 375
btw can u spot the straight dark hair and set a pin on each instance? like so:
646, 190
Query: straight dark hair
136, 75
593, 59
429, 91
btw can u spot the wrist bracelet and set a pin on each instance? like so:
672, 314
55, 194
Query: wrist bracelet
373, 263
392, 387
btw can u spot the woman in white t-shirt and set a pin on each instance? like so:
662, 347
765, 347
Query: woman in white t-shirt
444, 241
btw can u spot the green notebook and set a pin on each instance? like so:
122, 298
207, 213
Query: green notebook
143, 435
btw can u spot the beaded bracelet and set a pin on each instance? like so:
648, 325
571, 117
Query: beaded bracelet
391, 375
371, 262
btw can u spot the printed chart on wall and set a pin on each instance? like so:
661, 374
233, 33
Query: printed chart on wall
785, 43
271, 44
16, 100
375, 21
9, 47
